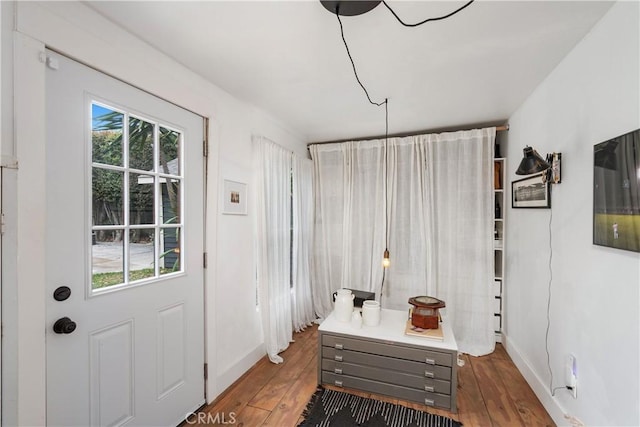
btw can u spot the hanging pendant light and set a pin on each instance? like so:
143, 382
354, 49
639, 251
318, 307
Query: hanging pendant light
386, 262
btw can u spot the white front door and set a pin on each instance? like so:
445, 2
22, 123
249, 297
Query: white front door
124, 251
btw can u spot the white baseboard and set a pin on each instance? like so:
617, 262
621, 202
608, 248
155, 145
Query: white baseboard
229, 376
538, 386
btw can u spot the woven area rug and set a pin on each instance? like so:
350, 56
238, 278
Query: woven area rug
337, 409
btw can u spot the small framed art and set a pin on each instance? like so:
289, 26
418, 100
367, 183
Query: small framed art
530, 192
235, 198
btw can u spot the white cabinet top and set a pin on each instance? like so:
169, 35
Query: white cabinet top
391, 329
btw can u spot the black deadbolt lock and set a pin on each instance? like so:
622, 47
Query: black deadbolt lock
61, 293
64, 325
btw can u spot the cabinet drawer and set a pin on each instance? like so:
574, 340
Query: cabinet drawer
387, 375
418, 355
420, 369
414, 395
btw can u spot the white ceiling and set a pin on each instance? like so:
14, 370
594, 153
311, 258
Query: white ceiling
287, 57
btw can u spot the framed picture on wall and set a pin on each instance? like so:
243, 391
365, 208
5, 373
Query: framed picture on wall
616, 192
235, 198
530, 192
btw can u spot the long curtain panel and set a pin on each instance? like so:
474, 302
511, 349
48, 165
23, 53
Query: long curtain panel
439, 192
348, 182
301, 303
460, 226
273, 215
407, 231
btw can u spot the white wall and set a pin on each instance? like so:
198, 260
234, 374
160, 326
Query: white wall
234, 334
593, 95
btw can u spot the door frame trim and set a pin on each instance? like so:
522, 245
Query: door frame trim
29, 135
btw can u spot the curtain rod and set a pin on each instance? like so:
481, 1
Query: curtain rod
502, 128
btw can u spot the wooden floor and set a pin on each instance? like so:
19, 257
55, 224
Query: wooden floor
491, 392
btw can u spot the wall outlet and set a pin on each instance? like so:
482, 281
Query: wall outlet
571, 375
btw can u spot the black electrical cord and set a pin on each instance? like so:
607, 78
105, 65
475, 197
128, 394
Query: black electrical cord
355, 72
386, 174
552, 390
428, 19
386, 186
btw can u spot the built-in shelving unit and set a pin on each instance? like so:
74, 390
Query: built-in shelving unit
499, 228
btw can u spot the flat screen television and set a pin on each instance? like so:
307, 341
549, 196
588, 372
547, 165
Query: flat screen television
616, 192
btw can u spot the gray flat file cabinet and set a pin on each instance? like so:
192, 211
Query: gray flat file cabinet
384, 360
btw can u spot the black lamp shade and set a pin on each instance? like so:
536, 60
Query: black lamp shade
531, 162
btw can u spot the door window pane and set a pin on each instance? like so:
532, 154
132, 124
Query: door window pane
141, 136
170, 189
141, 199
106, 135
107, 258
107, 201
170, 254
170, 141
141, 254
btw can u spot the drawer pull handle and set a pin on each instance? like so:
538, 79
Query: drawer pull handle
428, 388
429, 402
429, 374
430, 361
337, 358
337, 371
339, 346
337, 383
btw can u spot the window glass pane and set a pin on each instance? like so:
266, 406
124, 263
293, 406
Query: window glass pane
170, 200
106, 135
141, 199
169, 151
170, 250
107, 202
141, 144
141, 254
107, 260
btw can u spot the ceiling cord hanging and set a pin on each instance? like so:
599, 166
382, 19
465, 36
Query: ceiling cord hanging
428, 19
386, 175
355, 72
385, 261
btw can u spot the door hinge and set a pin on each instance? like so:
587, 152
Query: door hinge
204, 260
2, 225
205, 148
206, 371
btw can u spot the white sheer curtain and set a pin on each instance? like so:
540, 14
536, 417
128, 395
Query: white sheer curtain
273, 213
348, 188
440, 225
302, 304
460, 226
408, 229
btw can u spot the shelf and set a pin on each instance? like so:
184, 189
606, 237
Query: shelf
500, 187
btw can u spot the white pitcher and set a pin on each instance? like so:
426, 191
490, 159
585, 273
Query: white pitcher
343, 307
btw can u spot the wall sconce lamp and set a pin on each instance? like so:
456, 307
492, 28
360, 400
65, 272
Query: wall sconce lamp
532, 163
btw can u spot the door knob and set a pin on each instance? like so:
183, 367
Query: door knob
64, 325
